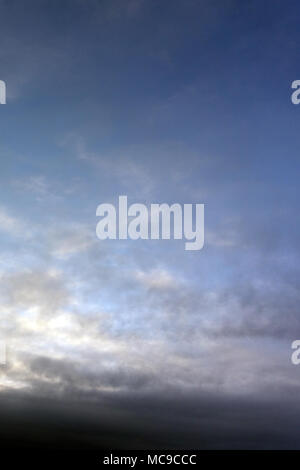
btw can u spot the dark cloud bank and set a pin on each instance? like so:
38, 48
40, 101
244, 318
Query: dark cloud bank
139, 411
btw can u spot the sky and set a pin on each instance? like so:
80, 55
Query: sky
139, 344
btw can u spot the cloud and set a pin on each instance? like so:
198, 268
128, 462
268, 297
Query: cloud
70, 240
34, 289
157, 279
39, 187
142, 343
14, 226
113, 409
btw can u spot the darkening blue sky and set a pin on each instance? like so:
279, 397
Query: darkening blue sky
164, 101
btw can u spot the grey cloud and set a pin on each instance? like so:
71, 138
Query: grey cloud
30, 289
151, 421
75, 376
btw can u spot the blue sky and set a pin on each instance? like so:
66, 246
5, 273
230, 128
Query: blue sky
184, 102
